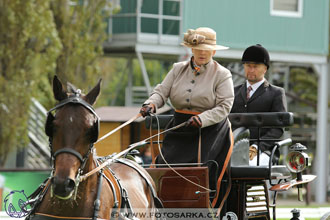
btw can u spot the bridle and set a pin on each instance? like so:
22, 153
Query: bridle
111, 179
73, 99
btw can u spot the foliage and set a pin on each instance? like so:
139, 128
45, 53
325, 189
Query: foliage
111, 72
115, 72
40, 38
304, 84
29, 47
82, 30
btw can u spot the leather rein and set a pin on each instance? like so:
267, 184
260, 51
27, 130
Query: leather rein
125, 152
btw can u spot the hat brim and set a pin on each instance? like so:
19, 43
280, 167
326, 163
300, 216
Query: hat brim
205, 46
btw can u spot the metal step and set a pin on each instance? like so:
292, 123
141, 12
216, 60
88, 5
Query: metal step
256, 200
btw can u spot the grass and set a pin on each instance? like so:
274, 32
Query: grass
302, 206
292, 202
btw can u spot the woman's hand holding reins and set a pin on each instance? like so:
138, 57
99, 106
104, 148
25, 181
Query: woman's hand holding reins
194, 121
147, 109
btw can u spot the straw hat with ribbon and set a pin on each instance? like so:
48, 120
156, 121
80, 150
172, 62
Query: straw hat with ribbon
202, 38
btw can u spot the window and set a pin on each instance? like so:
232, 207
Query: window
286, 8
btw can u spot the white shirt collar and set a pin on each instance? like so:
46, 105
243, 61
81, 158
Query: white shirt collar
255, 86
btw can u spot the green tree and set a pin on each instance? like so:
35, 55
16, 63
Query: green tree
28, 50
40, 38
115, 72
81, 25
304, 85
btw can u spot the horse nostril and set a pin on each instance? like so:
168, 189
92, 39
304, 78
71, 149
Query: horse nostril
70, 184
63, 187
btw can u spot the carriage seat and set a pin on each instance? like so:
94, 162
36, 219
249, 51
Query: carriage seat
241, 144
240, 160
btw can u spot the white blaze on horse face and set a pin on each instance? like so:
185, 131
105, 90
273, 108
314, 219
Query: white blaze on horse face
71, 119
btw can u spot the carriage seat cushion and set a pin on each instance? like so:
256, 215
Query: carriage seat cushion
264, 119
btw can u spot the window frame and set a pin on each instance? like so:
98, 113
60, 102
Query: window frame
282, 13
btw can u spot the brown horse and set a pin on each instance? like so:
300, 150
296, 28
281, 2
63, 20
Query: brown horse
115, 191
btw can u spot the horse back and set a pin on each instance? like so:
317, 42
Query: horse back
136, 181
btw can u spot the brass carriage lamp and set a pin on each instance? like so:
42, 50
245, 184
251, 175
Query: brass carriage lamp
297, 161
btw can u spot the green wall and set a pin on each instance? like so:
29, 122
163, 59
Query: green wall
21, 180
240, 23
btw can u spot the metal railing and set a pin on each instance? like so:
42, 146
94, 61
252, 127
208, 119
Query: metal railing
37, 154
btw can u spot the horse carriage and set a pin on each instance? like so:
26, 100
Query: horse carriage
84, 186
248, 186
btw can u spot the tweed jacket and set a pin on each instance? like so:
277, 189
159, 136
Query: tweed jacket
209, 92
267, 98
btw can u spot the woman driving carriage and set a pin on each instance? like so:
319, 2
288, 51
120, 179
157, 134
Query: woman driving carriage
202, 93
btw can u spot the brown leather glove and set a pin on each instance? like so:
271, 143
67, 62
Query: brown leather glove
147, 109
252, 152
194, 121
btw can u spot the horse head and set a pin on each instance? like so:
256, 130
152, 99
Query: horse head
72, 131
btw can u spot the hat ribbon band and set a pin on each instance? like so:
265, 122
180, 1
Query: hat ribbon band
209, 42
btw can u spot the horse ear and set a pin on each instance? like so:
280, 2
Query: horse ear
94, 93
59, 92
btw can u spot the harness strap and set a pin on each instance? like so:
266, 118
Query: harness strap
124, 201
43, 216
226, 194
116, 188
76, 100
224, 169
153, 154
69, 151
38, 195
126, 204
152, 189
114, 183
40, 189
199, 147
97, 202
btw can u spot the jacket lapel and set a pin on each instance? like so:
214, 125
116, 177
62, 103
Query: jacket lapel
243, 91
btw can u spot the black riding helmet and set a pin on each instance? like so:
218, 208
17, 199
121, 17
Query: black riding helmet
256, 54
